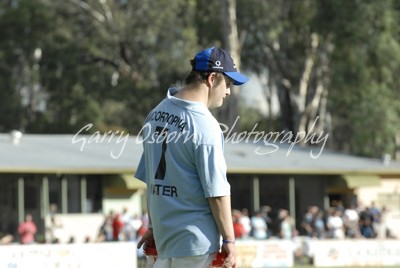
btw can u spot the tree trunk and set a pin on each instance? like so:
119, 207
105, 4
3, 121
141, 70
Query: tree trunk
231, 42
316, 106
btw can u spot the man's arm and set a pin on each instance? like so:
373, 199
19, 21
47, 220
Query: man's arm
222, 212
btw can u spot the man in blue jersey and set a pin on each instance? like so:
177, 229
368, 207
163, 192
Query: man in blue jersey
185, 171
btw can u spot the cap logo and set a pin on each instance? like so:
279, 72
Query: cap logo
218, 65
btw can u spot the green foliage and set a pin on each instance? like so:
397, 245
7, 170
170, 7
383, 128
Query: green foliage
105, 63
109, 62
208, 23
365, 95
251, 118
23, 28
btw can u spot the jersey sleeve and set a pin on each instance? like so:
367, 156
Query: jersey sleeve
211, 167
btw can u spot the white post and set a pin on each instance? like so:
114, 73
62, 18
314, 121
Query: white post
45, 197
292, 198
83, 195
21, 200
64, 195
256, 194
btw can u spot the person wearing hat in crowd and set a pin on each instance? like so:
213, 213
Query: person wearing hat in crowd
184, 168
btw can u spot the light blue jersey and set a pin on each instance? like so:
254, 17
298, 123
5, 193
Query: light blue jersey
183, 164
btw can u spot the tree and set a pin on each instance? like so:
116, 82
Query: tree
329, 59
366, 63
64, 64
231, 42
281, 39
108, 62
23, 25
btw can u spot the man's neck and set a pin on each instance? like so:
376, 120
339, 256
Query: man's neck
196, 93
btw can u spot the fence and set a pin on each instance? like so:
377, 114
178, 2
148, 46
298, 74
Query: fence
251, 253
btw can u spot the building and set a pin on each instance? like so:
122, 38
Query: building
44, 174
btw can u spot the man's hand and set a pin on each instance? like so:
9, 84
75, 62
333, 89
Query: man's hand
229, 250
147, 239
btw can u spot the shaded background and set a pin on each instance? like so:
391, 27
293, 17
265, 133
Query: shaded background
67, 63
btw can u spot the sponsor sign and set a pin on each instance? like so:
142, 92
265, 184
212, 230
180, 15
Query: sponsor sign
356, 252
266, 253
99, 255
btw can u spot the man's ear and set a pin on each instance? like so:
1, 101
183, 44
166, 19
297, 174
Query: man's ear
211, 79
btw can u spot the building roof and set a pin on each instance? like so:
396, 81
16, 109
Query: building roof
120, 154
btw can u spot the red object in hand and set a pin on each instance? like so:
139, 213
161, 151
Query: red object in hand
218, 261
150, 249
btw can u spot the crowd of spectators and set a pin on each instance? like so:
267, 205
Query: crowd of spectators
262, 225
338, 222
347, 222
116, 226
123, 226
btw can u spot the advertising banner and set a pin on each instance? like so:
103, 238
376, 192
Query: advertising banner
99, 255
266, 253
356, 252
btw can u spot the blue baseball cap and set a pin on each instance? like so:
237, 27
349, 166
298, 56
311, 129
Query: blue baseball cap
218, 60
